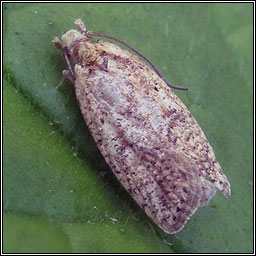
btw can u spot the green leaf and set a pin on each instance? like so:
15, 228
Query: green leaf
59, 194
32, 234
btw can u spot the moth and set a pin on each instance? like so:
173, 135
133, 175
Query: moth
147, 136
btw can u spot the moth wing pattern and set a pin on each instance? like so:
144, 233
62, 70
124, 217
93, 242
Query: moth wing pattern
162, 181
146, 134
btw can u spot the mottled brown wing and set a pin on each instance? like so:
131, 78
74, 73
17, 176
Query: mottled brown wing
162, 180
168, 115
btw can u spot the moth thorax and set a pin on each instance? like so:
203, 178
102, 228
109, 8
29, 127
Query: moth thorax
87, 53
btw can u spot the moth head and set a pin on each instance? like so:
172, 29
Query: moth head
71, 37
81, 47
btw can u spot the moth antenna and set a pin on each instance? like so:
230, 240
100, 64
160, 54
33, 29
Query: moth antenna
80, 25
138, 53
